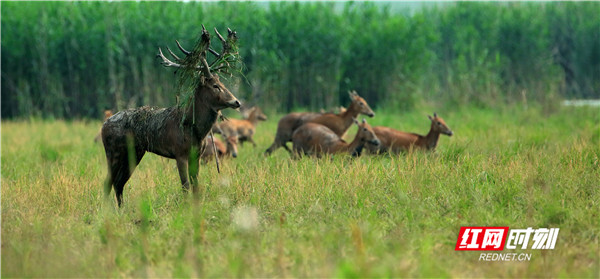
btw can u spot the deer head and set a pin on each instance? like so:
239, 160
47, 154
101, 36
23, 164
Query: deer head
232, 142
438, 125
258, 113
366, 134
209, 88
359, 104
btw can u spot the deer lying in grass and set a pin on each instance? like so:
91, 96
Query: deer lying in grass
338, 123
107, 114
316, 139
229, 148
176, 132
243, 128
395, 141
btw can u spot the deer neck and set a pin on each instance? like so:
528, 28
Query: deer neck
201, 117
350, 114
253, 118
431, 139
356, 146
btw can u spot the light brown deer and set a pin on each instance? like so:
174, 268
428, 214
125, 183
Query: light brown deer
107, 114
243, 128
338, 123
316, 139
229, 148
176, 132
395, 141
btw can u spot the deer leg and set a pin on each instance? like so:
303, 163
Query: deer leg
271, 148
286, 147
120, 175
182, 167
108, 182
121, 170
252, 141
193, 168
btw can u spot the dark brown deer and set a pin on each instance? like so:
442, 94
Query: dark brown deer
395, 141
316, 139
176, 132
243, 128
338, 123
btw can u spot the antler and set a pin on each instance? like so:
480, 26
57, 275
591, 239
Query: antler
197, 58
182, 49
166, 62
205, 46
227, 55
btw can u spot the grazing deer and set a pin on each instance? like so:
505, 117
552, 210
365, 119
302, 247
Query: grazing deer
395, 141
316, 139
229, 148
107, 114
244, 128
176, 132
338, 123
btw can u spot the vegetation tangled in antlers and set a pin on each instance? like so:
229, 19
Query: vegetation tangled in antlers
225, 63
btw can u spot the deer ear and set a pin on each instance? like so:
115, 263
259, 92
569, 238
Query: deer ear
364, 121
430, 118
435, 115
355, 121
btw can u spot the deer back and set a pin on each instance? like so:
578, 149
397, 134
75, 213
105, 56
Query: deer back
341, 122
393, 140
316, 138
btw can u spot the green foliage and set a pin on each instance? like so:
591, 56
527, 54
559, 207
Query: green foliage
75, 59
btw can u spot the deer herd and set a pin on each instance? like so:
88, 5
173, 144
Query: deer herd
182, 132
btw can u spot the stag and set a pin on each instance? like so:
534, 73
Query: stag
176, 132
394, 141
338, 123
316, 139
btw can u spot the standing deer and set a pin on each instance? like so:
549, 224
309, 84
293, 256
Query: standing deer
244, 128
316, 139
338, 123
395, 141
176, 132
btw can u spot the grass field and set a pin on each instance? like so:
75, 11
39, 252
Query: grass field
386, 216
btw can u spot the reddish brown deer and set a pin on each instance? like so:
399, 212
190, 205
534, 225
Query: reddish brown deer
395, 141
316, 139
176, 132
338, 123
229, 148
244, 128
107, 114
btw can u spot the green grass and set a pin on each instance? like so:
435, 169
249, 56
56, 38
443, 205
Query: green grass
386, 216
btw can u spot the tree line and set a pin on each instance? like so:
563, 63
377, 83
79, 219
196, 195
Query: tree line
75, 59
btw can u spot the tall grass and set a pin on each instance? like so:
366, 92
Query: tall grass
385, 216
